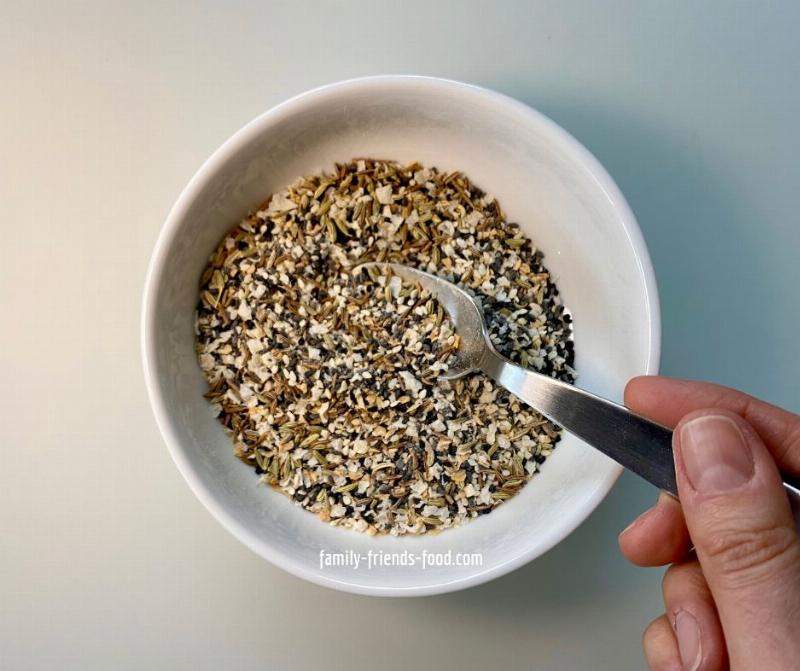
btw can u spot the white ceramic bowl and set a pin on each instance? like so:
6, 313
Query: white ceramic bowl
544, 179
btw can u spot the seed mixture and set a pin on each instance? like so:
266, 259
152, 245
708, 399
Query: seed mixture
326, 376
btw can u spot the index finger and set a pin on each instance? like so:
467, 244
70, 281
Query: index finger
666, 400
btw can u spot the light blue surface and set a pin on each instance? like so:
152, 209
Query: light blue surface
108, 108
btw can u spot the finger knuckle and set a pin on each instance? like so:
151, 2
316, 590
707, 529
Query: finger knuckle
751, 555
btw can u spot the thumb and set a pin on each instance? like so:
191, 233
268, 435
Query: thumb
740, 522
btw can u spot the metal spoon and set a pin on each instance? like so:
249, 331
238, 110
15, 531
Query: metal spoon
631, 440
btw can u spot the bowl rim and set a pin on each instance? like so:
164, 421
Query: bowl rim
207, 172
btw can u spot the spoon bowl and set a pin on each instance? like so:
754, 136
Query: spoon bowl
463, 310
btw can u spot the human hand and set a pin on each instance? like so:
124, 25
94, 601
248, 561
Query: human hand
734, 602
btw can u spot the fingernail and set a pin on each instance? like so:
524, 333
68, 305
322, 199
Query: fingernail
635, 522
628, 528
631, 525
715, 454
688, 634
661, 497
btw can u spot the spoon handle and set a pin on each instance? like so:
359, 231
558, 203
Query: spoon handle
631, 440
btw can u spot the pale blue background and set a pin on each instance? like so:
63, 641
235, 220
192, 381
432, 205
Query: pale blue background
106, 109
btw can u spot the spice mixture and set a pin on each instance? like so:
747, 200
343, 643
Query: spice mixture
326, 376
